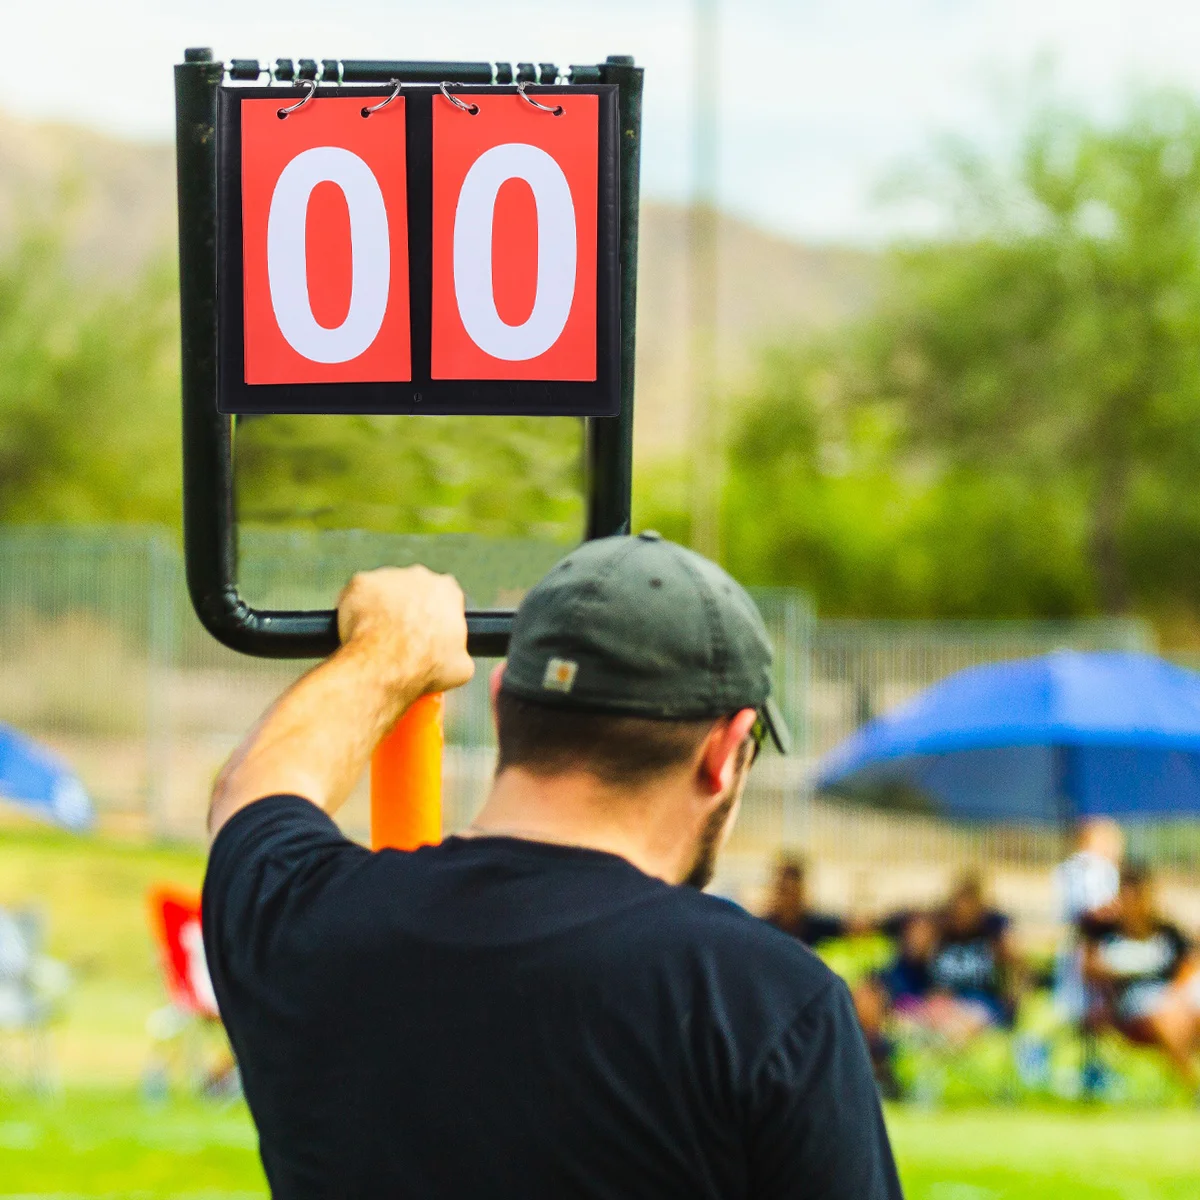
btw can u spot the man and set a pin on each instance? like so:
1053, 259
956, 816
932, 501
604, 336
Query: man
547, 1006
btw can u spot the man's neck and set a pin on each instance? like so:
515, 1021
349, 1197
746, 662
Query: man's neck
577, 809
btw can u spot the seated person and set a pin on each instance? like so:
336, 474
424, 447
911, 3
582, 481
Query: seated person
1147, 974
906, 981
790, 911
950, 976
899, 990
972, 969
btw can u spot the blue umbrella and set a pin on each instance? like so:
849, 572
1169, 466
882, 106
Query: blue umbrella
1043, 739
38, 780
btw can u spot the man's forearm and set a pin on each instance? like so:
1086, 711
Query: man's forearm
403, 633
316, 739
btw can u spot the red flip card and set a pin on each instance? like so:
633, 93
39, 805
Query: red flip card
325, 243
514, 239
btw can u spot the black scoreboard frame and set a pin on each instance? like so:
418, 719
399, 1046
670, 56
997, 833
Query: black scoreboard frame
209, 502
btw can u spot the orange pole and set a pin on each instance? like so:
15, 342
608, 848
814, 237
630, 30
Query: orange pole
406, 779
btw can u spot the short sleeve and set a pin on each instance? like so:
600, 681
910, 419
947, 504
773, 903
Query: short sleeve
1180, 947
1093, 930
816, 1127
822, 927
271, 861
894, 924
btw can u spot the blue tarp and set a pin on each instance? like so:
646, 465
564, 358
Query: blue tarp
1048, 739
37, 780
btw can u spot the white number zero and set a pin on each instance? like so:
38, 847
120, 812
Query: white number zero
287, 260
556, 239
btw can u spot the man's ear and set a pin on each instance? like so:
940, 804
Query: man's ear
494, 681
718, 758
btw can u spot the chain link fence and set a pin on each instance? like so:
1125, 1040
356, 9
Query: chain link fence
102, 658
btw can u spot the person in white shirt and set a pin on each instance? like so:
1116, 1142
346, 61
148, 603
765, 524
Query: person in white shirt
1086, 886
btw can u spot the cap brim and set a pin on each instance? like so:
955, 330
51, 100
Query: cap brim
776, 726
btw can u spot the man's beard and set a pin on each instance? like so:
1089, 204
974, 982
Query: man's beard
705, 863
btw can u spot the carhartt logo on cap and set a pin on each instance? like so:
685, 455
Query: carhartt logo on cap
560, 675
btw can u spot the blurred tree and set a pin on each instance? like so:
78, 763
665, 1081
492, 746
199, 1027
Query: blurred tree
1015, 428
829, 495
497, 476
88, 393
89, 428
1053, 341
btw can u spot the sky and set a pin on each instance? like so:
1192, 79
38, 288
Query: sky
820, 100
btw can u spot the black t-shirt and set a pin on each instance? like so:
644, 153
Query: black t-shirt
811, 928
967, 962
895, 924
1156, 958
905, 978
494, 1018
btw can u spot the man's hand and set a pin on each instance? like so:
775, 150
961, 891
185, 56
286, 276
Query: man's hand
413, 623
404, 633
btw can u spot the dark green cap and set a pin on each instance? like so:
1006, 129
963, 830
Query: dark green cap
642, 627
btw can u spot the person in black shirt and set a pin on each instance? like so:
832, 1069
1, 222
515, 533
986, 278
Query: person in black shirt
973, 968
951, 976
1148, 974
790, 911
954, 970
546, 1005
907, 980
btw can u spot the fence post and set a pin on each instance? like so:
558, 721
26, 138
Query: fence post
163, 579
798, 622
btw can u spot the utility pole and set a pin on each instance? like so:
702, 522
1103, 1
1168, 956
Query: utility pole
707, 427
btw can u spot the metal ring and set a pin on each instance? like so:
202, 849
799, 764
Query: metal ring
311, 84
472, 109
555, 110
367, 110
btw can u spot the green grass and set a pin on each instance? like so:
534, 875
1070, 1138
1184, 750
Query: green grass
112, 1144
94, 1144
101, 1139
1058, 1154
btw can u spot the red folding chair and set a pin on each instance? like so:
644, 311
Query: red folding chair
181, 1029
175, 919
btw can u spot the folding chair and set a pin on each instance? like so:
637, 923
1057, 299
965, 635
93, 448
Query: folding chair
33, 988
182, 1029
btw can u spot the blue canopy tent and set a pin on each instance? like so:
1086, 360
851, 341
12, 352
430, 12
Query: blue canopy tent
1040, 739
35, 779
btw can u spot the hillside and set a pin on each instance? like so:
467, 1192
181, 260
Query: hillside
767, 287
119, 198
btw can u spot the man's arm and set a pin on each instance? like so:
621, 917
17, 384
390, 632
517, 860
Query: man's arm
1013, 972
404, 633
1094, 970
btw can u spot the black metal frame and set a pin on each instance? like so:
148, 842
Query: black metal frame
209, 514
